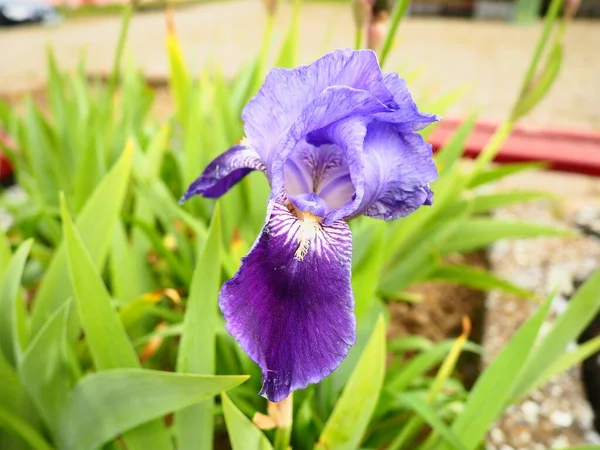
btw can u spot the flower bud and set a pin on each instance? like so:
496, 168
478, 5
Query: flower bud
571, 8
362, 12
271, 6
377, 30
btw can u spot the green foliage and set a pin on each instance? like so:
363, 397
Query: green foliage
243, 434
119, 325
348, 421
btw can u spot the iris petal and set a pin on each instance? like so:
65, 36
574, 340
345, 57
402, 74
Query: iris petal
349, 135
225, 171
407, 114
290, 305
287, 92
398, 169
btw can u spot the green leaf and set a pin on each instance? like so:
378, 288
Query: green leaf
475, 278
583, 447
568, 360
478, 233
455, 147
440, 105
417, 403
365, 277
95, 224
106, 404
423, 363
45, 371
5, 252
123, 274
243, 434
9, 288
105, 334
287, 55
422, 257
17, 426
582, 308
194, 425
486, 203
492, 390
400, 9
502, 171
179, 79
350, 417
532, 96
10, 388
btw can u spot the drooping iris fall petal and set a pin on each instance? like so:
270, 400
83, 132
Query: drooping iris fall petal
290, 305
225, 171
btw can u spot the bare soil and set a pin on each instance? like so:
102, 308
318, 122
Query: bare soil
439, 315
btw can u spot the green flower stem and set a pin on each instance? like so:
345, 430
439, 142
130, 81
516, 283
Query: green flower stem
492, 148
358, 38
413, 426
264, 51
397, 14
282, 438
551, 16
114, 76
283, 413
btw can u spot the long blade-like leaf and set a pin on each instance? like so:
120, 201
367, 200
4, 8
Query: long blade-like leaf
350, 417
479, 233
95, 224
583, 307
475, 278
197, 350
418, 404
105, 334
105, 404
243, 434
9, 288
23, 430
44, 369
493, 388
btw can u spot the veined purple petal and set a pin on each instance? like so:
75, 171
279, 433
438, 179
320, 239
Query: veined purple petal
317, 179
398, 169
287, 93
334, 104
290, 305
407, 114
225, 171
349, 135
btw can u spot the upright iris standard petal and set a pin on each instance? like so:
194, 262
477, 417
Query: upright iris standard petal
290, 305
398, 170
407, 114
317, 180
286, 93
225, 171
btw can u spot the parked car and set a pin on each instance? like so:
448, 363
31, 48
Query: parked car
17, 12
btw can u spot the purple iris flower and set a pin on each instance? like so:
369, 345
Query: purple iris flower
336, 139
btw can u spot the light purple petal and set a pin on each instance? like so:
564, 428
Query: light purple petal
398, 169
406, 114
334, 104
317, 179
349, 135
292, 310
287, 93
225, 171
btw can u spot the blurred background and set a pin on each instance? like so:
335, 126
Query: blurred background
528, 228
481, 45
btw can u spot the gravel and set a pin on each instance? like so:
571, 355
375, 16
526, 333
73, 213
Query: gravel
557, 415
